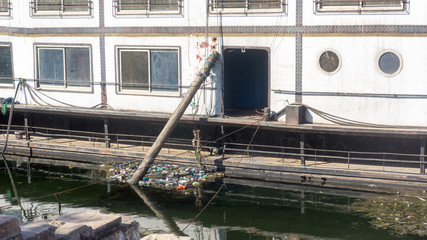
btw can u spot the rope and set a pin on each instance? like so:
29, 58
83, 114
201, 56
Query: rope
238, 130
348, 122
61, 192
6, 142
34, 95
223, 185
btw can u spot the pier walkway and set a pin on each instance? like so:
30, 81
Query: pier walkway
335, 169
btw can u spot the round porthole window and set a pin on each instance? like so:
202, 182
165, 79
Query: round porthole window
389, 63
330, 62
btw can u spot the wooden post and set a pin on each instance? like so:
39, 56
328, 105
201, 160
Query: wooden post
422, 158
301, 147
173, 120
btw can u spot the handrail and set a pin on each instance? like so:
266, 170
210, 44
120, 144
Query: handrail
328, 155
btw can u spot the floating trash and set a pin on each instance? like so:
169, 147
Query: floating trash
166, 176
400, 214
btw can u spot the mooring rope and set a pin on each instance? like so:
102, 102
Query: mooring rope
15, 191
223, 184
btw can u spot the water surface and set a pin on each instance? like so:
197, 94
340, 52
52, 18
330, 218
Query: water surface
238, 212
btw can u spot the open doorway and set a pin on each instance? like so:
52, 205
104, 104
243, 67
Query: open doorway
246, 78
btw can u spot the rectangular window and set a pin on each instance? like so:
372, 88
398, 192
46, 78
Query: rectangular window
64, 66
4, 8
61, 7
361, 7
146, 7
6, 73
247, 6
150, 70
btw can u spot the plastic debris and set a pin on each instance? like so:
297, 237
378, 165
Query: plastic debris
166, 176
401, 215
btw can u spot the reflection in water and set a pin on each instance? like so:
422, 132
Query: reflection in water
239, 212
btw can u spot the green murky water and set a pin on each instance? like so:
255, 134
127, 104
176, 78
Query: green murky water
239, 212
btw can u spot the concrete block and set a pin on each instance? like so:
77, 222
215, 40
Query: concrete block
9, 228
73, 231
295, 114
40, 230
103, 225
130, 228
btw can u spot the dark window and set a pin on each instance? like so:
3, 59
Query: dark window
68, 66
234, 6
6, 73
147, 6
356, 6
148, 69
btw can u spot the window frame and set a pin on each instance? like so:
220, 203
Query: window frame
9, 85
150, 91
38, 83
360, 8
7, 13
246, 10
34, 12
117, 12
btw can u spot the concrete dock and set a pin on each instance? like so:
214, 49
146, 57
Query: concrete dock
376, 177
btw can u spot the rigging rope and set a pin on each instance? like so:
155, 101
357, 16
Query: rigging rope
6, 142
223, 184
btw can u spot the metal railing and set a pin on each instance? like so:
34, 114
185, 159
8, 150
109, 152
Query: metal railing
5, 9
77, 8
121, 7
378, 161
247, 6
361, 6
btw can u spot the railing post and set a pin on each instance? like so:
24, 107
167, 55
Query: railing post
422, 159
27, 135
117, 140
301, 147
107, 138
348, 160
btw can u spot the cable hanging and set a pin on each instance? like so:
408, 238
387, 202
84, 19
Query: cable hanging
348, 122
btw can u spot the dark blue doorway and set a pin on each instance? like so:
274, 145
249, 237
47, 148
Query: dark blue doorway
245, 80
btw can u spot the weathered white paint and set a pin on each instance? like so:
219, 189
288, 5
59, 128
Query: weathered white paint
358, 73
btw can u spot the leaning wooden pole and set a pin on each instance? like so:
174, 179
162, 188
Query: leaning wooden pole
173, 120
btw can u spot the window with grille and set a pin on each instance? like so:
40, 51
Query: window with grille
6, 71
148, 70
61, 7
147, 7
360, 7
247, 6
5, 8
64, 67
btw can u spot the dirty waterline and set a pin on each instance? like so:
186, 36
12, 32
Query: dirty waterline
239, 212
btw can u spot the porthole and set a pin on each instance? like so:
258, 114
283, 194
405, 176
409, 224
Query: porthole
389, 63
329, 62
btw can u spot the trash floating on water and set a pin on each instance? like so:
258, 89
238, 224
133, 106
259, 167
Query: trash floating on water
166, 176
401, 215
